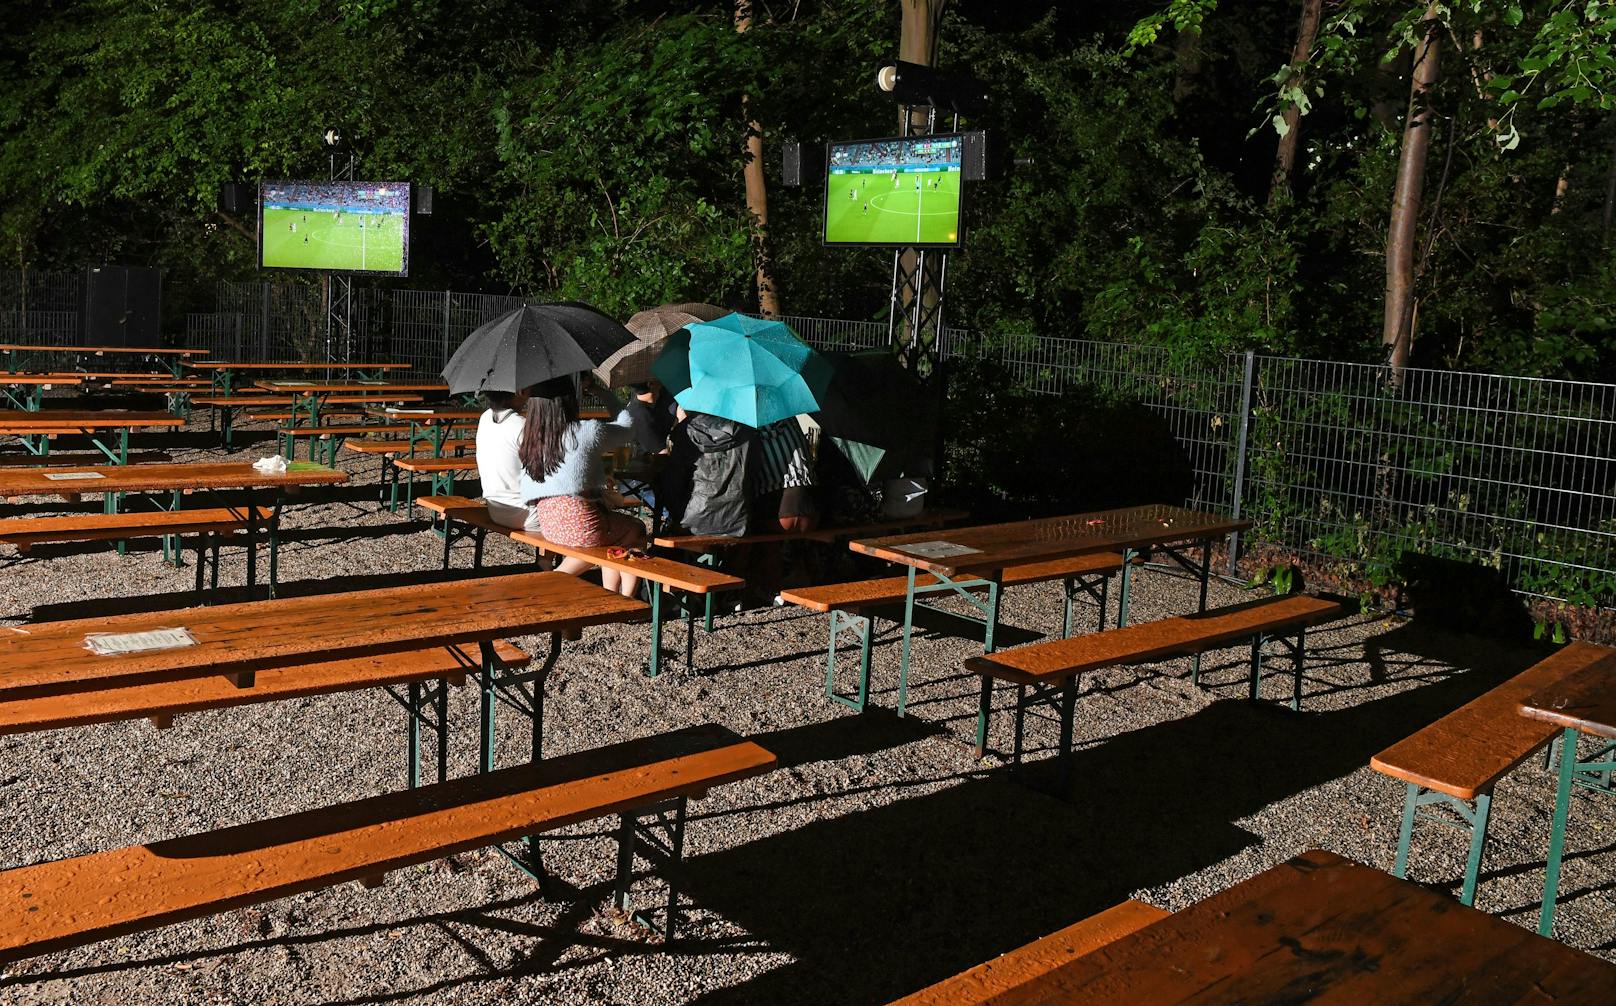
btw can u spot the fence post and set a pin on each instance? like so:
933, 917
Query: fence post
443, 358
1249, 366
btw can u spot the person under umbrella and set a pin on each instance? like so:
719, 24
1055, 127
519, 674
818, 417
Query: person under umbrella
564, 481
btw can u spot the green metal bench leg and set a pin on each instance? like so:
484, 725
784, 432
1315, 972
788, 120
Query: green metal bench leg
490, 668
448, 539
1562, 810
1411, 802
443, 730
1068, 713
864, 629
992, 617
1256, 667
1206, 573
1478, 841
1020, 725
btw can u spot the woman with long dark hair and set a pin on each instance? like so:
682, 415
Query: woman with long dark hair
564, 481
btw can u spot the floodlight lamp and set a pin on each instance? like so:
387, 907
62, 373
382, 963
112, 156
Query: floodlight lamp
332, 138
886, 77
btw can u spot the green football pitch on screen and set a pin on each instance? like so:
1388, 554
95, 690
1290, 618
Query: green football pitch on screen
323, 239
919, 207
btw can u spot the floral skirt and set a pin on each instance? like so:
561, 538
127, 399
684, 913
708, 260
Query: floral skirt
579, 523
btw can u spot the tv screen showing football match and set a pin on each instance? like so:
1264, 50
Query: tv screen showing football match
337, 226
903, 191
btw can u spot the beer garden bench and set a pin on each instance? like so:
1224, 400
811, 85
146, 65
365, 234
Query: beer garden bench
1049, 670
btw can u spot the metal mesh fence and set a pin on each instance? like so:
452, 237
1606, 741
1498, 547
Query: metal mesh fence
1332, 460
40, 308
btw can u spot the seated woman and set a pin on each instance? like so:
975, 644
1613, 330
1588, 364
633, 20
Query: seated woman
564, 481
499, 469
780, 480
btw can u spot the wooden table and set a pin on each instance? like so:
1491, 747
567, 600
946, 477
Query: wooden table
36, 428
986, 550
224, 371
1322, 929
178, 480
34, 387
308, 397
432, 424
236, 640
1581, 703
168, 357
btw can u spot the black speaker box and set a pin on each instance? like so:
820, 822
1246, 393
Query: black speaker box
123, 306
422, 200
235, 197
974, 157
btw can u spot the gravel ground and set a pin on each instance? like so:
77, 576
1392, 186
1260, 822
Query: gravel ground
879, 857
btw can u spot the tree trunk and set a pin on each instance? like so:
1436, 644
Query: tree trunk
1186, 64
757, 196
1397, 333
1610, 202
1307, 30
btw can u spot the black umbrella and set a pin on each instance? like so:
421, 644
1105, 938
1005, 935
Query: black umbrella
533, 344
877, 413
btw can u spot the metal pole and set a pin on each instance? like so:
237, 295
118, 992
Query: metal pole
1240, 453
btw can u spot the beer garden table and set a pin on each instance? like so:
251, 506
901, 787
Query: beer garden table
1582, 703
36, 428
178, 480
170, 358
27, 391
236, 640
1322, 929
309, 396
966, 558
224, 372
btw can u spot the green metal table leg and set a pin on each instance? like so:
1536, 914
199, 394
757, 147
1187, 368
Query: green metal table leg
1562, 810
984, 710
655, 666
1128, 556
413, 744
1411, 801
490, 668
1206, 572
1478, 841
708, 559
908, 631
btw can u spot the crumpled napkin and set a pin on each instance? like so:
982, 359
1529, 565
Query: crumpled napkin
273, 465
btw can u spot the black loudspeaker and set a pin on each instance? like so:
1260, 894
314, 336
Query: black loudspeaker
791, 164
974, 157
235, 197
422, 199
123, 306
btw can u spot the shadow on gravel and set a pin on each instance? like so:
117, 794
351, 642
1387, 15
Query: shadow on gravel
877, 904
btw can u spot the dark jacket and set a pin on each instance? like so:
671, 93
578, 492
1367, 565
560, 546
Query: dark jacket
704, 484
652, 421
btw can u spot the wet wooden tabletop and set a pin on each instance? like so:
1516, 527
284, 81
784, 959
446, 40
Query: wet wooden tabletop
298, 387
1584, 700
52, 657
1322, 929
98, 350
292, 365
996, 546
160, 478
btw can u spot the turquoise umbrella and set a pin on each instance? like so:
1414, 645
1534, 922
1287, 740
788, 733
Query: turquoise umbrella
745, 369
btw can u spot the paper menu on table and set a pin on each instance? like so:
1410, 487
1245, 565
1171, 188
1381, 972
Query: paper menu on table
67, 476
938, 549
293, 384
112, 644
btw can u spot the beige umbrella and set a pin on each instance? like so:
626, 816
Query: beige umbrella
632, 363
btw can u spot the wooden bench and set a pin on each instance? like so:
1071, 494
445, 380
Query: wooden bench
442, 472
79, 460
208, 525
647, 783
162, 701
983, 983
1048, 671
1458, 759
848, 605
707, 544
660, 575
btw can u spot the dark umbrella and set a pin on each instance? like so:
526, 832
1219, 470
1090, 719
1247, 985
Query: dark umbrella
533, 344
877, 413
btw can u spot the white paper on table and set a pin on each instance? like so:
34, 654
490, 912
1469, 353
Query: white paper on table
272, 465
65, 476
293, 384
409, 412
111, 644
937, 549
364, 381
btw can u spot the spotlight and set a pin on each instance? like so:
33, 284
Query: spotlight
332, 138
886, 78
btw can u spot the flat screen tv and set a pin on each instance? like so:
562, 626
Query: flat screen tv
335, 226
900, 191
